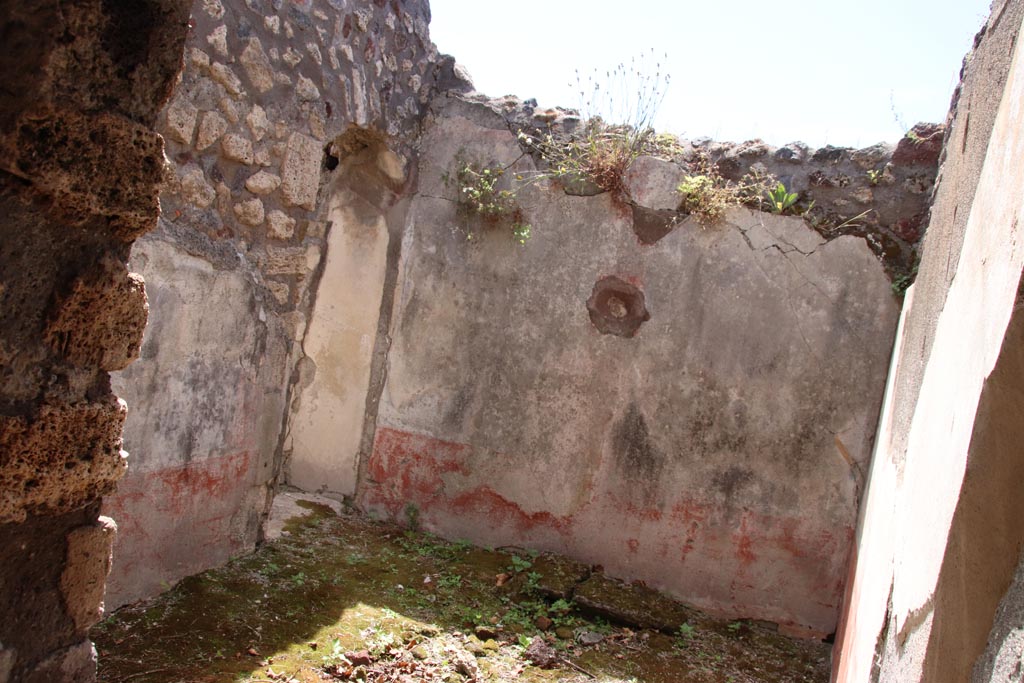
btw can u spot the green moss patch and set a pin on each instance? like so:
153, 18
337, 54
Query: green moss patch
346, 598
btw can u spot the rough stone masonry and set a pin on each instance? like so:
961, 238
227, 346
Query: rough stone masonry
314, 317
307, 142
80, 172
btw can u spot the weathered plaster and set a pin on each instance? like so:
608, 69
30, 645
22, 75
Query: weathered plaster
918, 468
207, 397
716, 453
328, 410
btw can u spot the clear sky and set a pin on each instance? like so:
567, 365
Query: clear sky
821, 71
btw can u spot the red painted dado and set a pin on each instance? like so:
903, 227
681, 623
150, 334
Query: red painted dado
741, 563
175, 522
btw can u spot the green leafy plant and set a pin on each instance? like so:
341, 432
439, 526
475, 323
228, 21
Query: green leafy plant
901, 283
874, 176
336, 653
684, 633
480, 195
449, 581
519, 564
779, 199
706, 195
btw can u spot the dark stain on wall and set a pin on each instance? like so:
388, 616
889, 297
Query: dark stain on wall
637, 459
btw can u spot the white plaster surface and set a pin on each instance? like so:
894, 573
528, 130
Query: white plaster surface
908, 515
327, 422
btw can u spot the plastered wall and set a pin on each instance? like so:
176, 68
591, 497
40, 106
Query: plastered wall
932, 593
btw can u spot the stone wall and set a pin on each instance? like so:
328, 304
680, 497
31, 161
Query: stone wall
274, 96
935, 589
80, 171
287, 277
688, 405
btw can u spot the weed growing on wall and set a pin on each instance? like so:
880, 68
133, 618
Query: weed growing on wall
480, 197
618, 111
780, 200
706, 195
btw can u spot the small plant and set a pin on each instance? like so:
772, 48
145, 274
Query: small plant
618, 110
519, 564
449, 581
336, 654
874, 176
706, 195
685, 632
901, 283
735, 626
779, 199
479, 195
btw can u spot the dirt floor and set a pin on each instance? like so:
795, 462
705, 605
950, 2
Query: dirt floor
344, 598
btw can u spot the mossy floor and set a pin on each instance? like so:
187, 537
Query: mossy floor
344, 598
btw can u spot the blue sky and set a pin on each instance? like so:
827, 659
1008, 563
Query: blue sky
821, 71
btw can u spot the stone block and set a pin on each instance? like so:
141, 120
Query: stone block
195, 190
292, 57
218, 40
262, 183
250, 212
281, 225
261, 156
100, 320
652, 183
84, 578
214, 8
280, 291
291, 260
229, 108
257, 66
258, 123
211, 127
198, 59
223, 74
237, 148
181, 120
61, 458
300, 172
306, 90
6, 664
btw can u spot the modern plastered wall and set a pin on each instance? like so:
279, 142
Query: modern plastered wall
936, 590
80, 172
254, 136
